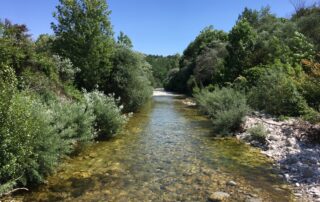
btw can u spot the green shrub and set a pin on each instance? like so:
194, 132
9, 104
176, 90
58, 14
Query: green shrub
258, 133
72, 92
73, 123
225, 106
29, 147
65, 68
312, 116
277, 94
310, 89
109, 120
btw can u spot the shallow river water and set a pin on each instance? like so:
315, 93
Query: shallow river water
167, 153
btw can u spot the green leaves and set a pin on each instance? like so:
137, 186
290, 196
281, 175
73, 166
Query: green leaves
84, 35
225, 106
242, 39
130, 79
124, 40
108, 119
277, 94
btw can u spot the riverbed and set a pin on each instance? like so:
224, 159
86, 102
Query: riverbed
167, 152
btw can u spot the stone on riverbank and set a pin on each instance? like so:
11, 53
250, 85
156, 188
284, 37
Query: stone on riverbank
298, 159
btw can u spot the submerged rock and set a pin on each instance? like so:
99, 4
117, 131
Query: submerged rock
231, 183
218, 196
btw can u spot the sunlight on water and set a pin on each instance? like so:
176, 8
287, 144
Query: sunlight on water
167, 153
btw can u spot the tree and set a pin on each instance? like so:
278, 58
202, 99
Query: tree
210, 64
84, 35
130, 78
197, 59
161, 65
242, 39
124, 40
44, 43
298, 4
308, 23
16, 48
252, 16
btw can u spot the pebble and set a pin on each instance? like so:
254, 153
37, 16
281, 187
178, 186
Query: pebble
231, 183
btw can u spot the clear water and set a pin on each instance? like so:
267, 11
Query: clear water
167, 153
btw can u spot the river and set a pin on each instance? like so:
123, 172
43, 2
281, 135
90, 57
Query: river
167, 152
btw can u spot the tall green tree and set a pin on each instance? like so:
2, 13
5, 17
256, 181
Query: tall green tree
84, 34
130, 78
124, 40
241, 48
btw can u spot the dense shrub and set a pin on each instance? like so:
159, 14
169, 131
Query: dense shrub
225, 106
65, 68
108, 117
310, 89
35, 136
29, 146
8, 83
277, 94
258, 133
73, 123
130, 79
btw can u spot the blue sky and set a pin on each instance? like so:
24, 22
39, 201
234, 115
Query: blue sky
155, 26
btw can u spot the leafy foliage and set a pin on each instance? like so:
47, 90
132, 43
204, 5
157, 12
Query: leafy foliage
129, 79
108, 118
241, 47
161, 65
258, 133
84, 35
43, 116
277, 94
225, 106
202, 62
124, 40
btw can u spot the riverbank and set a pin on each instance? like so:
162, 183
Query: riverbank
286, 143
296, 157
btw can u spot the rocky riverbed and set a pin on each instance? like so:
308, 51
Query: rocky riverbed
286, 143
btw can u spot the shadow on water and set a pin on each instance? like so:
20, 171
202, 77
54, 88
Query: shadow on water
167, 153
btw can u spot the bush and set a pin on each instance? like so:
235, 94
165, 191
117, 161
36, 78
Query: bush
310, 89
29, 147
35, 136
258, 133
109, 120
73, 123
65, 68
277, 94
225, 106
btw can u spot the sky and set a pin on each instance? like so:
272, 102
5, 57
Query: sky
161, 27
